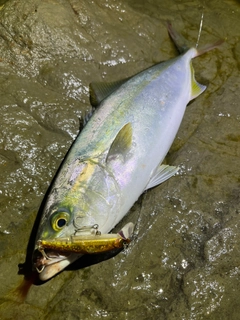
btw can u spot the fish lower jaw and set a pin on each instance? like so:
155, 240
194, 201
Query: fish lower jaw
52, 266
51, 270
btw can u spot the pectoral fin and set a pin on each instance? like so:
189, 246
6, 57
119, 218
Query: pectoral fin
122, 143
161, 174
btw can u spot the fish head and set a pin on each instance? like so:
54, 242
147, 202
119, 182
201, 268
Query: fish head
57, 222
82, 202
61, 222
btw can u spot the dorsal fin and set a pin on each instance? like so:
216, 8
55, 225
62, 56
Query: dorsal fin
85, 118
101, 90
122, 143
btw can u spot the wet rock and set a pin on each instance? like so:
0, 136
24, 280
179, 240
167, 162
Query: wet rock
183, 262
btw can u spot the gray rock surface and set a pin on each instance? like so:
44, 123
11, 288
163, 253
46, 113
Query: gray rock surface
184, 262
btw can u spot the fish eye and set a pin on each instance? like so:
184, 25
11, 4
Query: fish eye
59, 220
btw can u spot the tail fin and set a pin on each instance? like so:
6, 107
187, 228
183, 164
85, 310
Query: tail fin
182, 44
209, 47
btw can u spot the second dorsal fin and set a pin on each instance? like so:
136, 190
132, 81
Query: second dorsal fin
101, 90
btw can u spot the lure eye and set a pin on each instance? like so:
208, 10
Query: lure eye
59, 220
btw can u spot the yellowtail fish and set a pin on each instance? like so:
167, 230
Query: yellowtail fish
117, 155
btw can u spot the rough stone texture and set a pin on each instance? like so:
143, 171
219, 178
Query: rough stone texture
184, 262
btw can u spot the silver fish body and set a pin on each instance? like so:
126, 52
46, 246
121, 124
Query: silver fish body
118, 155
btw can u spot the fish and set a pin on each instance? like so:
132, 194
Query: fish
117, 156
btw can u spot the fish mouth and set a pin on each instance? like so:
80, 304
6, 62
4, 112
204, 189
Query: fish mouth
48, 262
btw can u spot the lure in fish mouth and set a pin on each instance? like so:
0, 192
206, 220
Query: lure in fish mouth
115, 158
56, 253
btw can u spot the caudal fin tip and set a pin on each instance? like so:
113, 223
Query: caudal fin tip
180, 42
210, 47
